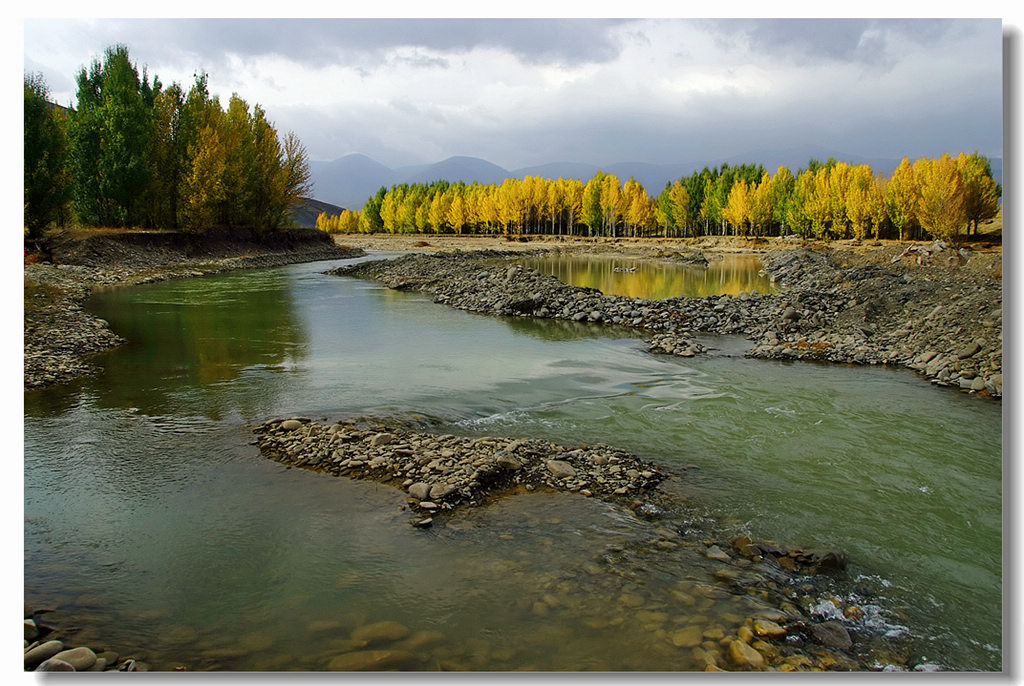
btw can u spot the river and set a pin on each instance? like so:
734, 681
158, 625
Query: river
152, 521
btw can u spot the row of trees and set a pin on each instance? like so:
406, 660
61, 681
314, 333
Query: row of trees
136, 154
940, 197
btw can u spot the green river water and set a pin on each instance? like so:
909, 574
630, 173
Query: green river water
154, 524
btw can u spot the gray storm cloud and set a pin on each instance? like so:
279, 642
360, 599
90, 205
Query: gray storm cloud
528, 91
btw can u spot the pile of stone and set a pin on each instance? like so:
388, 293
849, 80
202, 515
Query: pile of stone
46, 652
442, 472
942, 321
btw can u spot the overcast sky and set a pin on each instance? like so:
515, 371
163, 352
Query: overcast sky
520, 92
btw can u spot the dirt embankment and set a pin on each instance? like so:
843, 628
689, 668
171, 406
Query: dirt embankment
62, 270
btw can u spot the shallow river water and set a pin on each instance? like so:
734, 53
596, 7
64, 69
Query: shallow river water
154, 523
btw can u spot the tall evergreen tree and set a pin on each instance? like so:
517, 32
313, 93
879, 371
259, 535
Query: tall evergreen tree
47, 186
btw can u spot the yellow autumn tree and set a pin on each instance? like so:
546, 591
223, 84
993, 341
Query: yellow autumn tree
737, 209
901, 197
980, 190
457, 214
679, 204
860, 200
880, 186
572, 200
348, 221
940, 198
760, 205
611, 202
838, 185
204, 184
437, 217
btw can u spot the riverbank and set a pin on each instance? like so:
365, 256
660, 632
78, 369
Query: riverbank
926, 307
60, 335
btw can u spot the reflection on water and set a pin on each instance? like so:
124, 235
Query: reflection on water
656, 280
198, 333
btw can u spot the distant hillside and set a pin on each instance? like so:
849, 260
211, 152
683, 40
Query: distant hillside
349, 181
467, 169
304, 215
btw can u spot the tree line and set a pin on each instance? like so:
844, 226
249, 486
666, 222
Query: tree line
938, 197
136, 154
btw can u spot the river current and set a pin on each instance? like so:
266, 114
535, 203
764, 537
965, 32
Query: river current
152, 520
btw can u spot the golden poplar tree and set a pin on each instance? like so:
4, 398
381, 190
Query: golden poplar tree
679, 199
737, 209
457, 214
572, 194
760, 212
940, 197
204, 184
860, 200
838, 184
901, 197
981, 193
611, 202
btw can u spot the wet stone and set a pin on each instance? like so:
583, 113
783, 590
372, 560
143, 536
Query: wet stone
55, 665
832, 634
369, 660
42, 652
380, 632
745, 657
81, 658
561, 469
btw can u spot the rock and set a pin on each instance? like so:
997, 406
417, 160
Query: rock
978, 384
99, 666
109, 656
790, 315
716, 553
80, 658
31, 630
380, 632
420, 490
441, 491
290, 424
690, 637
369, 660
766, 627
969, 350
422, 639
424, 523
55, 665
745, 657
428, 505
561, 469
382, 439
41, 653
506, 461
833, 560
832, 634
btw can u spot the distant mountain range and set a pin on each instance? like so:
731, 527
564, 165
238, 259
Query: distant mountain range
350, 180
305, 212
